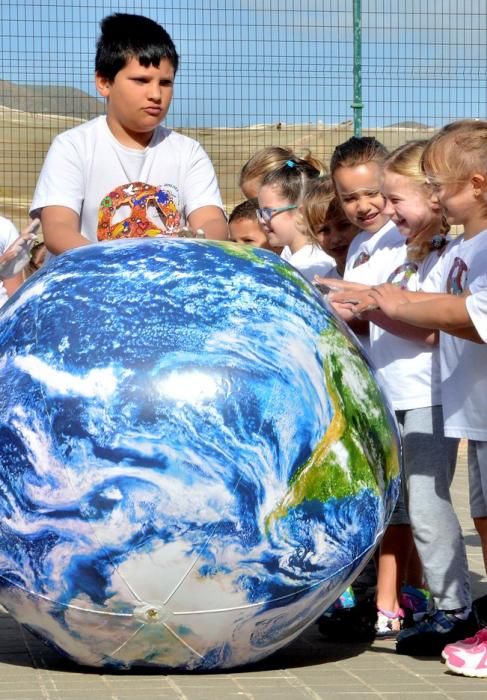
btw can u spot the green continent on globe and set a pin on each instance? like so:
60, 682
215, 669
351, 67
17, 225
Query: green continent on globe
358, 449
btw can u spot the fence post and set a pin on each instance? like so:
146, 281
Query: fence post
357, 104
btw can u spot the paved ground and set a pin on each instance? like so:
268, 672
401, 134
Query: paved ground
308, 668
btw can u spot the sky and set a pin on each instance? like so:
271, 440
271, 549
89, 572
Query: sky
254, 62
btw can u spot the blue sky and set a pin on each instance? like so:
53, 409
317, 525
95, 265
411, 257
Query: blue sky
254, 62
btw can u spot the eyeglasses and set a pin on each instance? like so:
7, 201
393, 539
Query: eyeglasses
265, 214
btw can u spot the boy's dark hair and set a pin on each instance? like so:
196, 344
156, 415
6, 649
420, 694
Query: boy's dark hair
245, 210
124, 37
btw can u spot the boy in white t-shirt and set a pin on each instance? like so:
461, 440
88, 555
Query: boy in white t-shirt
124, 175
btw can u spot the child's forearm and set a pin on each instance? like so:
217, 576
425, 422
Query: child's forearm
444, 312
61, 229
13, 283
211, 221
216, 229
403, 330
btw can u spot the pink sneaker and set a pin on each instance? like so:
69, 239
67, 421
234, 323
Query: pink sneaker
465, 644
471, 661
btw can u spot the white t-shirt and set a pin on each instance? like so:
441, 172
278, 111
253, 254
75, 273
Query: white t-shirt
408, 369
364, 244
359, 253
477, 310
463, 363
125, 192
310, 260
8, 234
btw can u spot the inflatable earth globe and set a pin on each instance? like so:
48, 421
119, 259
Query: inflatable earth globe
195, 456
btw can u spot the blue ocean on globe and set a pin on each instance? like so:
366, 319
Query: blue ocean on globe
196, 458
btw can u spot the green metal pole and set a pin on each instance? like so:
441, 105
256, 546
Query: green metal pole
357, 104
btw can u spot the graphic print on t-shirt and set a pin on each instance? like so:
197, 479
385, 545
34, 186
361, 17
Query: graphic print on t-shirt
137, 210
361, 259
402, 274
457, 277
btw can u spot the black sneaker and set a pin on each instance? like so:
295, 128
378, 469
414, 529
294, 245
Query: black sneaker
357, 623
429, 636
479, 609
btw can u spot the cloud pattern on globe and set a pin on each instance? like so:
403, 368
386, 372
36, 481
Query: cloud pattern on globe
195, 455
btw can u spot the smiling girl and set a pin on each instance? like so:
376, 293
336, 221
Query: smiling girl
356, 168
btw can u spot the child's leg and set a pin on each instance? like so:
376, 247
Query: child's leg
477, 479
429, 466
394, 554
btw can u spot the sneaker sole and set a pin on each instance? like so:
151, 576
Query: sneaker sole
471, 673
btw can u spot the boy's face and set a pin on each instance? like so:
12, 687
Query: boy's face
138, 100
249, 232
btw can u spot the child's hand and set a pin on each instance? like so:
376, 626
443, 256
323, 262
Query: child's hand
357, 301
336, 285
388, 298
346, 311
17, 255
325, 285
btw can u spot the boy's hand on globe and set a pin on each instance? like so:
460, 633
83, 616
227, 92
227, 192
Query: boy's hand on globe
17, 255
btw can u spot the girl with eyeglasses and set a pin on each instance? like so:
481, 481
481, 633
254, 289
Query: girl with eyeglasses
279, 213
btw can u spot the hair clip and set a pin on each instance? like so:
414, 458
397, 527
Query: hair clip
438, 242
290, 163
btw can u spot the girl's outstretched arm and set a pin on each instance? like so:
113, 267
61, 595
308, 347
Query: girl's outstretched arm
444, 312
364, 305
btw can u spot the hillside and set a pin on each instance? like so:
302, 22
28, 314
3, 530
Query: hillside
50, 99
25, 137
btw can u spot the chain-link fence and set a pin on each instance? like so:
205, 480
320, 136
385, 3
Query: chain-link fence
252, 74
